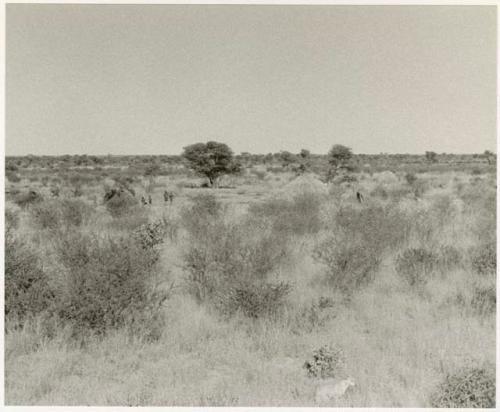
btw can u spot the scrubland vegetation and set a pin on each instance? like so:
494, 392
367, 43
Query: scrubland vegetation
253, 293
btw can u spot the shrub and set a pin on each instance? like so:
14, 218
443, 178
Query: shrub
424, 226
351, 263
345, 178
484, 300
253, 299
55, 191
228, 263
314, 315
327, 362
353, 253
11, 221
227, 255
55, 214
45, 215
276, 169
204, 210
108, 283
484, 259
77, 191
297, 216
449, 257
150, 235
27, 199
415, 265
442, 207
11, 166
45, 181
75, 212
467, 388
12, 177
259, 174
27, 290
420, 187
380, 226
410, 178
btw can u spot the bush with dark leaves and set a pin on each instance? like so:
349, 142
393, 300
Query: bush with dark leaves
327, 362
108, 282
484, 259
253, 299
467, 388
27, 288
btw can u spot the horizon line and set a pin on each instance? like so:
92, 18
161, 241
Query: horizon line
256, 154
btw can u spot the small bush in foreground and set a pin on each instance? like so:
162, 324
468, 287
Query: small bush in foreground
468, 388
484, 259
484, 299
327, 362
27, 290
150, 235
107, 282
228, 263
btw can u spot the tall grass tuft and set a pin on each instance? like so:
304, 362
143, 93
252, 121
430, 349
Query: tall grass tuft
416, 265
297, 216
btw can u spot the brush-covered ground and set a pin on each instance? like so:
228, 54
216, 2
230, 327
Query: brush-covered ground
221, 297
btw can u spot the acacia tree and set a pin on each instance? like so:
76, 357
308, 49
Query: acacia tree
304, 160
286, 158
211, 159
305, 154
338, 158
489, 156
431, 157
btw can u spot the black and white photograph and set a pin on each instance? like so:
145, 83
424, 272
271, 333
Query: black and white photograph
250, 205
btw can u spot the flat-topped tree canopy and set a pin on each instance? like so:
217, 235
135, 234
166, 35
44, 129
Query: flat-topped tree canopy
211, 159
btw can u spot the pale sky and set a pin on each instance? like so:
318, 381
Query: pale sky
139, 79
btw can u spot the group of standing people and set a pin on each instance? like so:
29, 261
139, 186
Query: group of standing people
168, 197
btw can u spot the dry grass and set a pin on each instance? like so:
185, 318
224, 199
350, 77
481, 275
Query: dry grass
399, 342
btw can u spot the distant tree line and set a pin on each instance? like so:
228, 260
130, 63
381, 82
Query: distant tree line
214, 159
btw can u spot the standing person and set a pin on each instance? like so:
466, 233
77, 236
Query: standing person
359, 197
